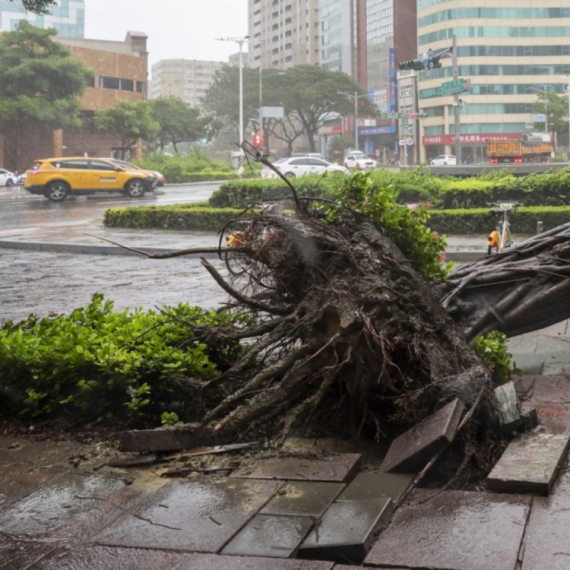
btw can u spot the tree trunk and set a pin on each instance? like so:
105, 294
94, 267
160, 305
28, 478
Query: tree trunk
523, 289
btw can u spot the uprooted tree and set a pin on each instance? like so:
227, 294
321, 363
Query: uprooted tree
356, 331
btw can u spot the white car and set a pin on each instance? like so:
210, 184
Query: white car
300, 166
359, 161
7, 178
444, 160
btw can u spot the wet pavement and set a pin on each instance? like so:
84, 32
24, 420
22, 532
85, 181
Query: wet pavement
60, 511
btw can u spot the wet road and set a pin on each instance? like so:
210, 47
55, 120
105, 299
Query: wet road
41, 282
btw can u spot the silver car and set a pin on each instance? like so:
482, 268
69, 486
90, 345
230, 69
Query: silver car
300, 166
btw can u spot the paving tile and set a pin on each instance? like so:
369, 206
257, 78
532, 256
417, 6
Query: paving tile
455, 530
303, 498
509, 407
410, 452
221, 562
346, 531
530, 464
18, 554
190, 516
108, 558
73, 506
528, 362
547, 545
370, 486
552, 389
270, 535
554, 418
338, 468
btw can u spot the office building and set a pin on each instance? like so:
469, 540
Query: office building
283, 33
187, 79
511, 50
66, 16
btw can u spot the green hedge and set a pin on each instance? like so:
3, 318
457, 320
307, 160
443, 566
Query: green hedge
481, 221
182, 217
197, 217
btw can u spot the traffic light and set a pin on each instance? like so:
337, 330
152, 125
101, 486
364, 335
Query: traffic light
417, 115
416, 64
257, 140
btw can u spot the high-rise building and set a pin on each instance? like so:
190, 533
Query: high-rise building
283, 33
511, 50
66, 16
187, 79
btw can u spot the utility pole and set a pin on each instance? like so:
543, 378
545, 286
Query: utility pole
456, 107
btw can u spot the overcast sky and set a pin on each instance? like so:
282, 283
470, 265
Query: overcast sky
175, 28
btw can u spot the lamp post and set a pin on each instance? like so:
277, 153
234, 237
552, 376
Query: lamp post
240, 42
545, 91
356, 97
567, 89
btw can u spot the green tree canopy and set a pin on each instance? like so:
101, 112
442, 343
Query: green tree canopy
37, 6
309, 94
179, 122
129, 122
40, 81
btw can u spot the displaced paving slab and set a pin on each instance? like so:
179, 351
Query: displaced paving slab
189, 516
530, 464
371, 486
547, 545
271, 536
410, 452
340, 468
454, 530
305, 498
509, 407
347, 530
17, 554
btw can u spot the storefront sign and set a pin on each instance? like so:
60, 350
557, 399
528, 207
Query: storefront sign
435, 140
331, 130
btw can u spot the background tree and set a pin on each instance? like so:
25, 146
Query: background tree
222, 98
129, 122
40, 85
313, 95
37, 6
556, 109
179, 122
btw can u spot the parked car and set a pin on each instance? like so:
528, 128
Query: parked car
311, 154
301, 165
57, 178
159, 177
359, 161
21, 181
444, 160
7, 178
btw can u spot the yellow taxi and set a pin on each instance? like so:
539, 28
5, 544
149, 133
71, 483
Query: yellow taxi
57, 178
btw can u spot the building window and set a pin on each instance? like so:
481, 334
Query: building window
109, 82
140, 87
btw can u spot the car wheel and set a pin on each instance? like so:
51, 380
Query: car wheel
135, 188
445, 164
57, 191
290, 175
9, 182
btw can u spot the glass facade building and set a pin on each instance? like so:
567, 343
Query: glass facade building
510, 50
66, 16
338, 35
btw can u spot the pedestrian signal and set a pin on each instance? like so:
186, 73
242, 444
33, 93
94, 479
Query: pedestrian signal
257, 140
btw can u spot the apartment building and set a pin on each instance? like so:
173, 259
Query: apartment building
511, 50
67, 17
283, 33
187, 79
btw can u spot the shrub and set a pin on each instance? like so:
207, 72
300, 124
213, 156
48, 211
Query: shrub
97, 364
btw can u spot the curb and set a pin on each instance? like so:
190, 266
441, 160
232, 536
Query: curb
91, 249
458, 256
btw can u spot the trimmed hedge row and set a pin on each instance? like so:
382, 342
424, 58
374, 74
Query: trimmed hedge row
481, 221
199, 217
186, 217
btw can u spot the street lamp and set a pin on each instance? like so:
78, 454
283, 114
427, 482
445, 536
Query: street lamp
545, 91
356, 97
240, 42
567, 89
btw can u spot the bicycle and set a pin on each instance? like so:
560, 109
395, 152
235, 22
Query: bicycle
500, 237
